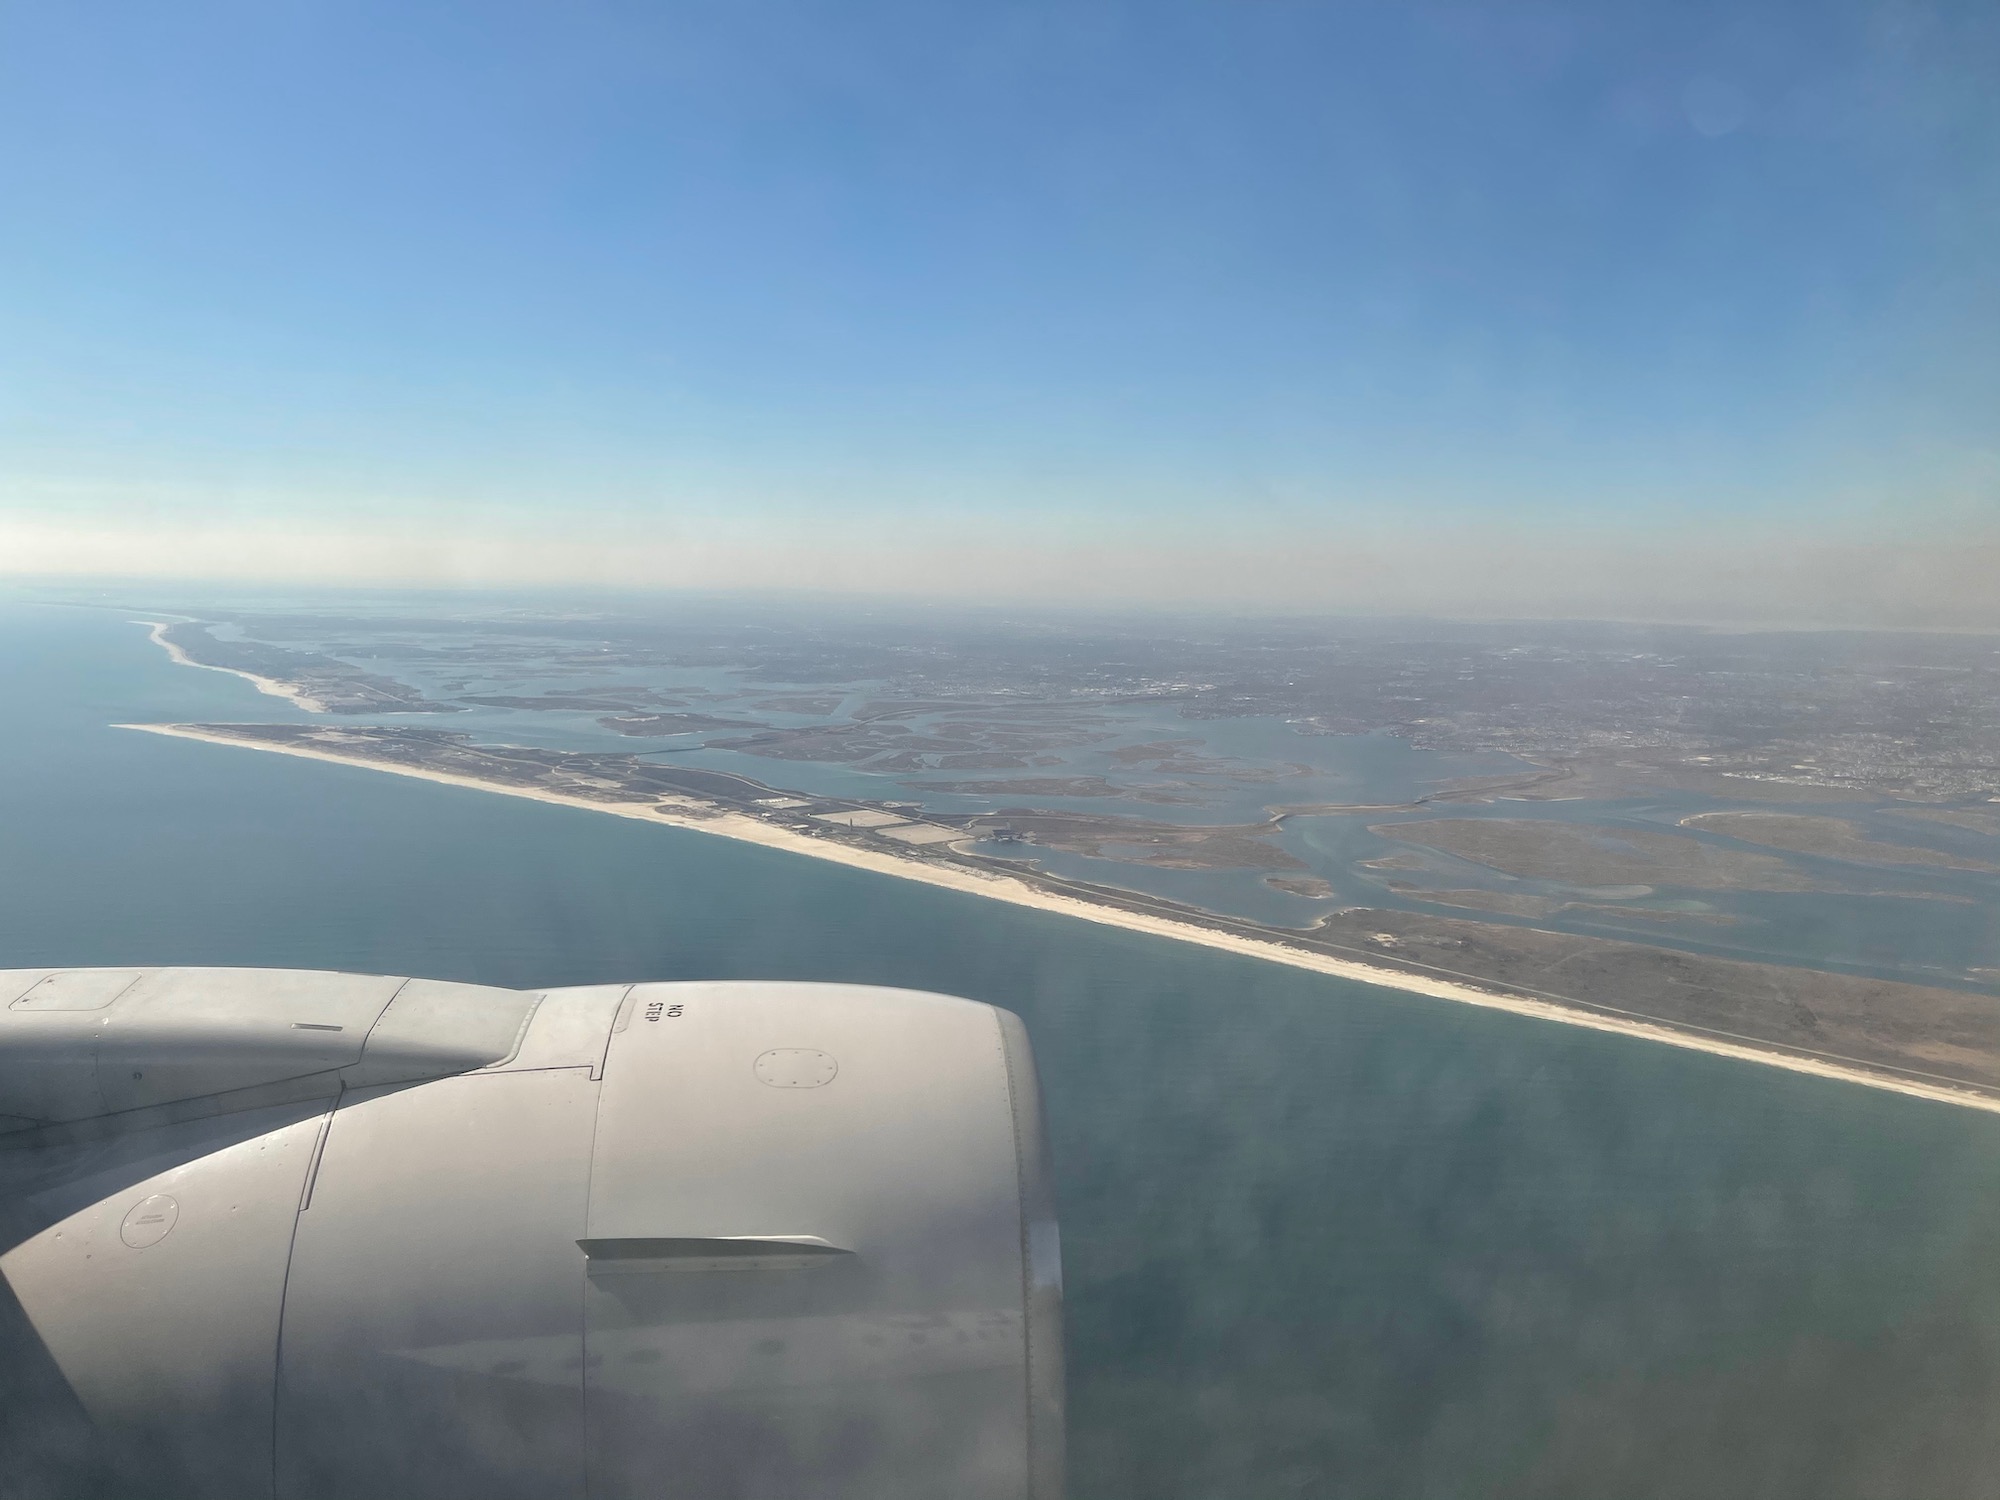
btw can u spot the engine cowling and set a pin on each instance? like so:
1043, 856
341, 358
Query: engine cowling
280, 1234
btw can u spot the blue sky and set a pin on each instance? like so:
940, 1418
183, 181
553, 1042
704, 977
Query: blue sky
451, 289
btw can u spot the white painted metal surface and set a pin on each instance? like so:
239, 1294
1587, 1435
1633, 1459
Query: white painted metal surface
87, 1043
435, 1295
160, 1300
316, 1236
884, 1128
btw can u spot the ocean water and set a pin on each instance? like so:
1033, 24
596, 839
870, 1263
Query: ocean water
1321, 1239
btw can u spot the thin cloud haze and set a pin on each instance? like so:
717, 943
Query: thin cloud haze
1662, 310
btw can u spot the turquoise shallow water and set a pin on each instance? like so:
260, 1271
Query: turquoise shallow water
1322, 1240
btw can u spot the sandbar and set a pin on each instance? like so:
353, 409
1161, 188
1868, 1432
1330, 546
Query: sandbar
269, 686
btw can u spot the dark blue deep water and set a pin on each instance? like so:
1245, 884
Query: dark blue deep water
1322, 1240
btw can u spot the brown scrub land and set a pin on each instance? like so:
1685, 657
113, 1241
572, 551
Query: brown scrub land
1956, 817
1909, 1027
1829, 838
1584, 854
1506, 902
1172, 846
1300, 885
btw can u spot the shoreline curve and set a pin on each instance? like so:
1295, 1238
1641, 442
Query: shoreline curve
270, 686
700, 817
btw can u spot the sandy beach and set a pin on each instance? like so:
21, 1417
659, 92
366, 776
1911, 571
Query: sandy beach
700, 817
157, 629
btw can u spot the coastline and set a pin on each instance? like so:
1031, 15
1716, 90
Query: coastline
270, 686
701, 817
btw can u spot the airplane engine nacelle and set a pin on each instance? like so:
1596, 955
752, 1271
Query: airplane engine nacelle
278, 1234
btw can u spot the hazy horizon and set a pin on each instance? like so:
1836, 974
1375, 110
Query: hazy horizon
1859, 587
1658, 312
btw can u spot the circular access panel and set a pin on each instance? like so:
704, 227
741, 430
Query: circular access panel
150, 1221
796, 1068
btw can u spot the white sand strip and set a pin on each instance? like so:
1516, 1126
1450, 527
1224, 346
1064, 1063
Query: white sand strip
269, 685
683, 812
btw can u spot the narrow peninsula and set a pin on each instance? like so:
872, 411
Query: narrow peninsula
1932, 1042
